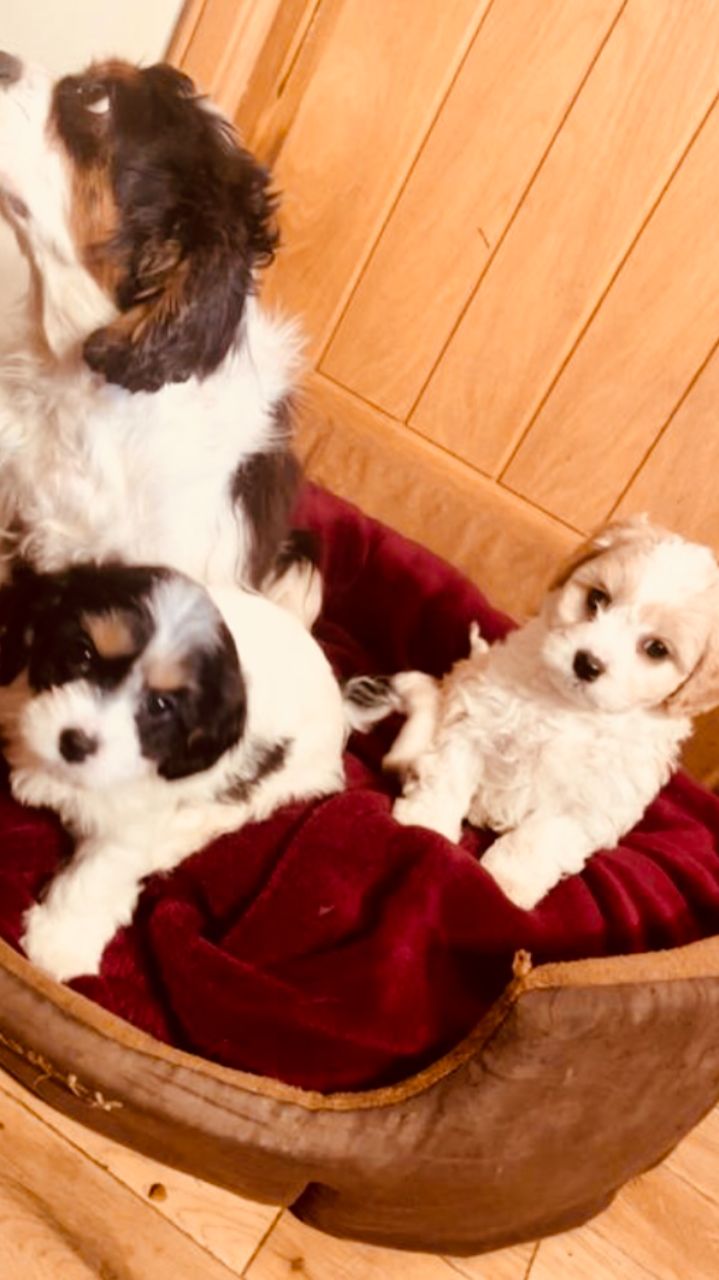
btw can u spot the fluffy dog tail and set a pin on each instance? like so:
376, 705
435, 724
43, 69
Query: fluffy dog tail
369, 699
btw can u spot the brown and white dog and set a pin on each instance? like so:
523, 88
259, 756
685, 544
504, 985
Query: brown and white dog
144, 403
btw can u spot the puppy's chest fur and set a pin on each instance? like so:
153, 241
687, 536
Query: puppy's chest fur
532, 754
92, 471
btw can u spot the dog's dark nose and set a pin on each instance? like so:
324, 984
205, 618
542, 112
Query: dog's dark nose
76, 745
586, 666
10, 69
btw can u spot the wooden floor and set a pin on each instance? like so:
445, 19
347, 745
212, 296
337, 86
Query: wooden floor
74, 1206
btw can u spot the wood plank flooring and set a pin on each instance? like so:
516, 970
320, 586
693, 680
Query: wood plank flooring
74, 1206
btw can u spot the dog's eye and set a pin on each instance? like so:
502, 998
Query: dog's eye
655, 649
159, 705
91, 95
80, 655
597, 599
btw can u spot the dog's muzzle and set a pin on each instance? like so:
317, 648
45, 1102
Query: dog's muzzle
586, 666
75, 745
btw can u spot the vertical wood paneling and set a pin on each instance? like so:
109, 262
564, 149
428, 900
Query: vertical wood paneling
185, 30
504, 544
648, 92
678, 483
374, 94
219, 43
627, 375
280, 75
525, 64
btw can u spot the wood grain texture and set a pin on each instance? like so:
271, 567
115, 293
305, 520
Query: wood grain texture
226, 1226
648, 91
660, 1227
506, 546
673, 481
358, 126
519, 77
627, 375
696, 1160
185, 28
274, 88
297, 1251
219, 43
77, 1219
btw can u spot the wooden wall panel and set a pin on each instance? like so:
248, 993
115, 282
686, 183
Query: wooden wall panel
525, 65
626, 376
505, 545
219, 44
357, 129
678, 481
649, 90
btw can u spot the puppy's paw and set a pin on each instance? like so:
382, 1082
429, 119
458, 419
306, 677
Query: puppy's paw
514, 873
410, 813
60, 944
477, 646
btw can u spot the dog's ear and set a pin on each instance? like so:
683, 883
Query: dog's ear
618, 533
215, 719
189, 243
700, 691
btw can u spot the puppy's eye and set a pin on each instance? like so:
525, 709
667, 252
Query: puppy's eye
597, 599
159, 705
80, 655
92, 95
655, 649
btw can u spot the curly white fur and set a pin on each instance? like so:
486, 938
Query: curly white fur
563, 764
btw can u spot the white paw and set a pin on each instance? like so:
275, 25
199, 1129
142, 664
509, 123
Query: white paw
61, 943
411, 814
515, 875
477, 646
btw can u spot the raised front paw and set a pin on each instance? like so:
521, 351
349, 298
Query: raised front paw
517, 873
61, 944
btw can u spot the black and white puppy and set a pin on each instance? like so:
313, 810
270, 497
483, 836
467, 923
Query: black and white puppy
144, 402
153, 717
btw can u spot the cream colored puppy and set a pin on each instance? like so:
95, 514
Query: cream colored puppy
559, 736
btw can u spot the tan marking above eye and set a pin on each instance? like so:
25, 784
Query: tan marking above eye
165, 674
111, 633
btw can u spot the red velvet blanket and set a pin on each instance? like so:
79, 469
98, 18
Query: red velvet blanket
332, 948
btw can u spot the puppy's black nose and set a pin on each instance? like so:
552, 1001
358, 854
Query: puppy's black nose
10, 69
586, 666
76, 745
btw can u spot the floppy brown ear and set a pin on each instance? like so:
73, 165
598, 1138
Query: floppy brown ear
633, 529
700, 691
187, 269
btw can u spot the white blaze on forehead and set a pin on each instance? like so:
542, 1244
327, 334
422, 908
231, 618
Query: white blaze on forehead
185, 620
